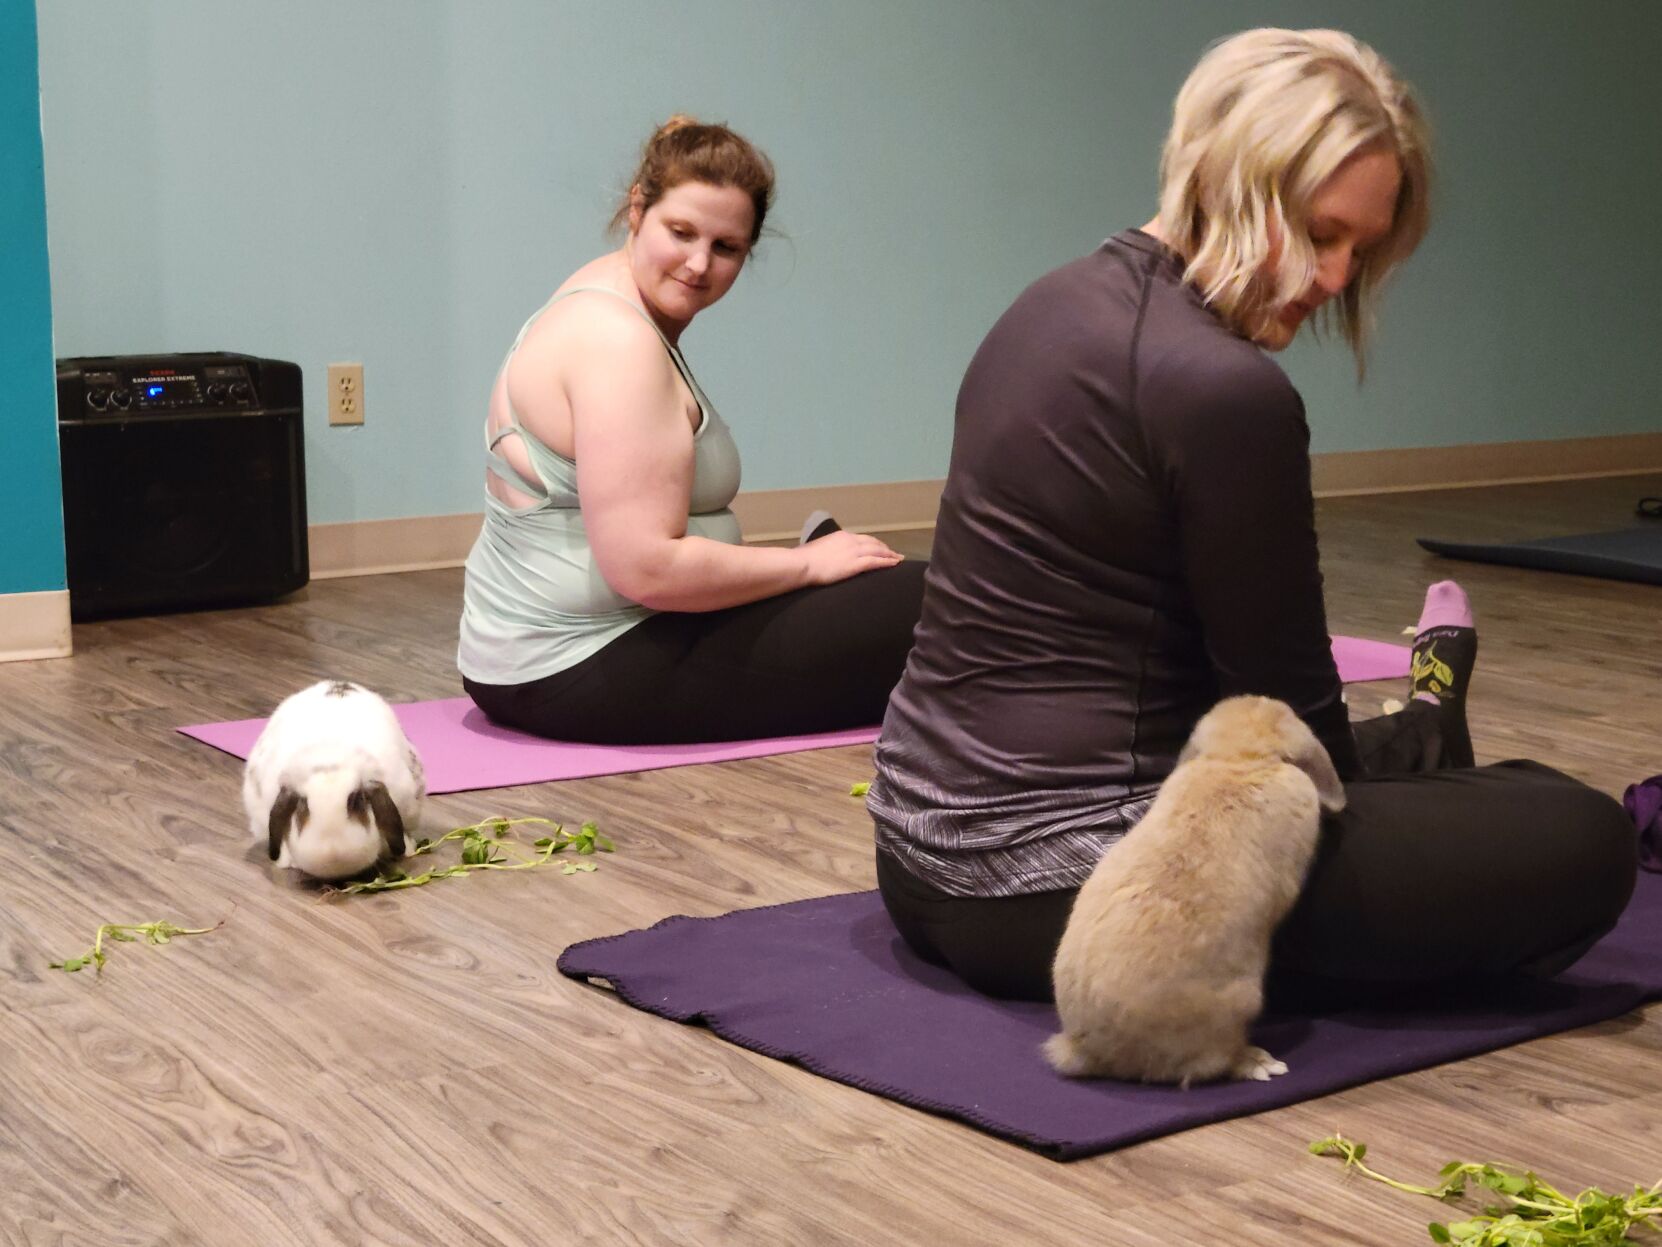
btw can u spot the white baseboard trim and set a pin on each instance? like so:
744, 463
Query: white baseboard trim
1480, 464
34, 625
369, 547
775, 514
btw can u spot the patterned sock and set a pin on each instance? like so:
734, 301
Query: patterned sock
1445, 653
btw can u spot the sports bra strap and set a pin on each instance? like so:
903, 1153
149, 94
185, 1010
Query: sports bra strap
500, 466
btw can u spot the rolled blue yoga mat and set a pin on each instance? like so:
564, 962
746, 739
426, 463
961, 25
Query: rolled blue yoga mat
1625, 554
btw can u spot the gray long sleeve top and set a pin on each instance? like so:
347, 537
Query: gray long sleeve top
1126, 535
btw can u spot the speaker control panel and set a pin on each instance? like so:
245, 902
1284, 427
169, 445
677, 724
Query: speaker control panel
204, 384
211, 387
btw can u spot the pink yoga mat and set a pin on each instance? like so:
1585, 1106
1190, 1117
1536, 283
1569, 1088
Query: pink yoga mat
1360, 661
463, 750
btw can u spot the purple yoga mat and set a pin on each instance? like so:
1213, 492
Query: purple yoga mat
462, 750
829, 984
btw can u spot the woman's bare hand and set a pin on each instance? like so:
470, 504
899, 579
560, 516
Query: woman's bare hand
840, 555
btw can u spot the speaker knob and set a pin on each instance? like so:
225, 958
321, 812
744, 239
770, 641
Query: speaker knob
242, 391
98, 399
217, 392
121, 398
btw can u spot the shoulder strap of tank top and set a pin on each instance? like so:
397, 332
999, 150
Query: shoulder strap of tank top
495, 461
675, 355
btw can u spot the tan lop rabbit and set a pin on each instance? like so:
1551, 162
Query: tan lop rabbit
1161, 968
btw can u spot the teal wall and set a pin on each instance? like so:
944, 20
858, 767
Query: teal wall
31, 507
402, 181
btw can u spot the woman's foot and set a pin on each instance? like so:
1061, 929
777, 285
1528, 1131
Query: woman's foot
1445, 652
819, 524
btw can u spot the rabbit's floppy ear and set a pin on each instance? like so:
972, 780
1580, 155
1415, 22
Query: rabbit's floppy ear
282, 812
387, 817
1312, 759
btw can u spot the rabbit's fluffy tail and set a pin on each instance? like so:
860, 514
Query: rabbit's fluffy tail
1067, 1057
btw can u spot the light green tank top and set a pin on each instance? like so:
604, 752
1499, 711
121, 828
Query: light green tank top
534, 602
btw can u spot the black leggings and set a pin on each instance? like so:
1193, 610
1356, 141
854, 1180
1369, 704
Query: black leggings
1479, 871
813, 660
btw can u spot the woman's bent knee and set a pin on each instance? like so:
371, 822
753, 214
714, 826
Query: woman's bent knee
1608, 851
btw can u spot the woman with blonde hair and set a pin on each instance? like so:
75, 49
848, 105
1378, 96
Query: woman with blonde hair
1127, 535
609, 597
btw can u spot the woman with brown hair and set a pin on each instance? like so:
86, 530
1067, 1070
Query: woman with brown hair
609, 597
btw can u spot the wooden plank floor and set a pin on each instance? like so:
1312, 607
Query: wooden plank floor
411, 1069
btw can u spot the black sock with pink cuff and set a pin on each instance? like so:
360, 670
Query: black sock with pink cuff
1445, 654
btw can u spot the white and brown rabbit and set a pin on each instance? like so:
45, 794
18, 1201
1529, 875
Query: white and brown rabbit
1161, 968
333, 785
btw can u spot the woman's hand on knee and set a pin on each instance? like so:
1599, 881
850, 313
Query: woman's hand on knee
839, 555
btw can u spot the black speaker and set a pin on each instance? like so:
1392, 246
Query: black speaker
184, 482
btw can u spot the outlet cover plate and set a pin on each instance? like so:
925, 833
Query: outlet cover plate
346, 393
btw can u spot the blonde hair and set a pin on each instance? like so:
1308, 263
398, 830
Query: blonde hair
686, 150
1264, 119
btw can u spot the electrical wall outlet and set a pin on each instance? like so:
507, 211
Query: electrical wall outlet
346, 393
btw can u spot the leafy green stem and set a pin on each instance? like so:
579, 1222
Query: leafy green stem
126, 933
1538, 1214
1352, 1153
496, 827
487, 845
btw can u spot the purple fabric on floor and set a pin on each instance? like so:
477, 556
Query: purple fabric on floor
462, 750
1643, 802
829, 984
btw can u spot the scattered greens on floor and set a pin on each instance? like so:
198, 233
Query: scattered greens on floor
486, 845
119, 933
859, 790
1537, 1214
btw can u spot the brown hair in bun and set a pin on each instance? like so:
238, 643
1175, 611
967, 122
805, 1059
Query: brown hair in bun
685, 150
